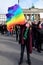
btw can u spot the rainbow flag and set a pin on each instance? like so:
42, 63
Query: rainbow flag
15, 16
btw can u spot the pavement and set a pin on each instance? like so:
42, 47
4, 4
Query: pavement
10, 52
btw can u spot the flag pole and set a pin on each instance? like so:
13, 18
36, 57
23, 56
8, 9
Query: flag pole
18, 1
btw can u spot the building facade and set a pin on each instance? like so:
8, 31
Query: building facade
3, 18
32, 13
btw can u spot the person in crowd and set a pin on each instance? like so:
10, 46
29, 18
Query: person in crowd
24, 40
4, 28
40, 36
11, 30
17, 32
1, 28
34, 34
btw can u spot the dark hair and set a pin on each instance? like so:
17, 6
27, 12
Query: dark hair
38, 23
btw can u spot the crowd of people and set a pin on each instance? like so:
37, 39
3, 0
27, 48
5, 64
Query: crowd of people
35, 30
3, 28
37, 34
30, 35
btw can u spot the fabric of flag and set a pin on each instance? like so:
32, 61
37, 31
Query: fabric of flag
15, 16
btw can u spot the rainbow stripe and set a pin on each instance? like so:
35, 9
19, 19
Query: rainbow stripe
15, 16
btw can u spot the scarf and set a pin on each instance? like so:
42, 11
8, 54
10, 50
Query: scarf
25, 33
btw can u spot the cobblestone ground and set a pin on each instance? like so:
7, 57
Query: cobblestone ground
10, 52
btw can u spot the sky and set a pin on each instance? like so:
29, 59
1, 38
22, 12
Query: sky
4, 4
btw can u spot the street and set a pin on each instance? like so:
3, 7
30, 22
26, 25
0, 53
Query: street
10, 52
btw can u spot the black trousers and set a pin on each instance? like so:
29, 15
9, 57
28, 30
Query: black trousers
39, 43
16, 35
26, 44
